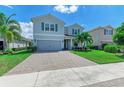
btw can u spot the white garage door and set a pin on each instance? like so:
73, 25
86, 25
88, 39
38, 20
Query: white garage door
48, 45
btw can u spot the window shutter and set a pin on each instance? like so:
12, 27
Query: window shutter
42, 26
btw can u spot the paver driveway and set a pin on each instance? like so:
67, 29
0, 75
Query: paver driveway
50, 61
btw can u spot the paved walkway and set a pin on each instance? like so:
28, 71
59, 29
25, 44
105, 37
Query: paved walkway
71, 77
50, 61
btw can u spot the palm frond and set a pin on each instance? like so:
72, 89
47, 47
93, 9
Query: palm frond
14, 27
17, 35
9, 36
2, 19
7, 20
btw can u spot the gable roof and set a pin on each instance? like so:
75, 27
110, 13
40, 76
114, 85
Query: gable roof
41, 16
101, 27
75, 24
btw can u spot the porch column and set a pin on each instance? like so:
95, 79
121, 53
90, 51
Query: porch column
71, 44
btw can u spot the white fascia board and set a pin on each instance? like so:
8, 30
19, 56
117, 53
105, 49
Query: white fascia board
48, 35
52, 39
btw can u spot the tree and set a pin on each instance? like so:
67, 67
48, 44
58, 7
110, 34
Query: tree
9, 37
79, 40
84, 39
118, 37
9, 29
87, 39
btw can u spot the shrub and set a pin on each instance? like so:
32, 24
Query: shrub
32, 48
103, 45
90, 46
19, 49
9, 51
111, 48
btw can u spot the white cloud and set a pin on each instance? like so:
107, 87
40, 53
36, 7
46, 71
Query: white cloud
66, 9
8, 6
27, 29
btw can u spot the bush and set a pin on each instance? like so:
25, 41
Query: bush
103, 45
90, 46
19, 49
32, 48
9, 51
111, 48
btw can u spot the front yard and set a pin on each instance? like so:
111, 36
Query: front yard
100, 57
9, 61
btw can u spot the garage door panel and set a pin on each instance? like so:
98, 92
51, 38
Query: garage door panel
49, 45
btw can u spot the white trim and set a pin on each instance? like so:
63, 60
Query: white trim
48, 35
51, 39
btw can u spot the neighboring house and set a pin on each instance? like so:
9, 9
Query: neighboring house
102, 36
21, 43
15, 44
49, 33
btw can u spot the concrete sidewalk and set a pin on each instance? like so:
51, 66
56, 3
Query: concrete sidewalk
72, 77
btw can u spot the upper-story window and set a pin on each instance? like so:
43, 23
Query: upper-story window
75, 31
56, 27
78, 30
72, 31
42, 26
49, 27
52, 27
108, 32
46, 27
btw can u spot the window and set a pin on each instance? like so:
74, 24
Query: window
75, 31
42, 26
35, 40
72, 31
111, 32
47, 27
108, 32
104, 31
56, 27
78, 30
52, 27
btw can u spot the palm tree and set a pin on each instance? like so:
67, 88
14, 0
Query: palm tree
79, 40
87, 39
9, 37
84, 39
9, 29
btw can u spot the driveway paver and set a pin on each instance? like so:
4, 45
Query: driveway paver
45, 61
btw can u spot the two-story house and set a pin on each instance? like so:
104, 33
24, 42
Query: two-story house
102, 36
49, 33
70, 33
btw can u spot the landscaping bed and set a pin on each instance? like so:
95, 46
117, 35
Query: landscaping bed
100, 56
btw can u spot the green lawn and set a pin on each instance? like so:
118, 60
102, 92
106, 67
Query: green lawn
100, 57
9, 61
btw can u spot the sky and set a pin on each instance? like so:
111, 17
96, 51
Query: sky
89, 16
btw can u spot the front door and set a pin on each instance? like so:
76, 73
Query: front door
1, 45
65, 44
